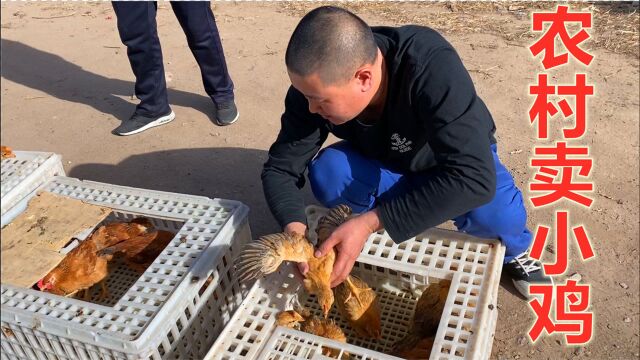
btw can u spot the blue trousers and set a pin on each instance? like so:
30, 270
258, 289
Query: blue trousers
138, 31
341, 175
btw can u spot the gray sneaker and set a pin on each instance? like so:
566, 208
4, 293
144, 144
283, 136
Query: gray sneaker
139, 123
525, 271
227, 113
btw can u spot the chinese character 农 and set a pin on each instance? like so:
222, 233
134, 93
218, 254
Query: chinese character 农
557, 28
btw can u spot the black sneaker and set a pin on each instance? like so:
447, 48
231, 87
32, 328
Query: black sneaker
525, 271
227, 113
139, 123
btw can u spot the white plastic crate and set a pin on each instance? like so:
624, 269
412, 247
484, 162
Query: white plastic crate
24, 173
175, 309
398, 273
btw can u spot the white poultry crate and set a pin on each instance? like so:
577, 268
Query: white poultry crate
174, 310
24, 173
398, 273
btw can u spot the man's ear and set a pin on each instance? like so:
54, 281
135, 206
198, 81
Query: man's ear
364, 78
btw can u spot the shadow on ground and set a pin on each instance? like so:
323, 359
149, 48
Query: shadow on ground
226, 173
64, 80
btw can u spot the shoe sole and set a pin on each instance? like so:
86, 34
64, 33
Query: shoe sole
523, 288
229, 123
159, 121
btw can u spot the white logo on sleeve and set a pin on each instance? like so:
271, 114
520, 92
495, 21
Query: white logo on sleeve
400, 145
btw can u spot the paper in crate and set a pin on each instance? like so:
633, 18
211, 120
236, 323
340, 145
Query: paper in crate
174, 310
398, 273
22, 174
31, 243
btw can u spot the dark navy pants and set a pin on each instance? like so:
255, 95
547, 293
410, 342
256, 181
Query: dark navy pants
138, 31
341, 175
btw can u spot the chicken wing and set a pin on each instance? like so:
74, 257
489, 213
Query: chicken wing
265, 255
140, 251
115, 232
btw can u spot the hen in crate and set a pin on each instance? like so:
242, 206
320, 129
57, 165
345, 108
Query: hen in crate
265, 255
355, 299
302, 319
424, 326
141, 251
85, 265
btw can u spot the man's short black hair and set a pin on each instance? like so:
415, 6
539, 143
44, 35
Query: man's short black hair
332, 42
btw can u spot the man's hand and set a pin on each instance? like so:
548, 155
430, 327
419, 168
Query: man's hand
299, 228
348, 240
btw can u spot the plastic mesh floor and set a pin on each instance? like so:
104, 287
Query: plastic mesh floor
398, 273
157, 314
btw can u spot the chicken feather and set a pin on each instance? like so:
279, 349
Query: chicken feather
426, 319
85, 266
356, 301
302, 319
140, 251
265, 255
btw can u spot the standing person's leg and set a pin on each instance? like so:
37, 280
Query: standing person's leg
137, 29
199, 25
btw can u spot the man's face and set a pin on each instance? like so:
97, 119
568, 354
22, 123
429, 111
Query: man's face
337, 103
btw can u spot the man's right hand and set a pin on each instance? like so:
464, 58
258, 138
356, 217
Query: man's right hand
299, 228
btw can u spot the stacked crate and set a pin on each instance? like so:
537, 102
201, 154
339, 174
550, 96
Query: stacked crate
23, 174
175, 310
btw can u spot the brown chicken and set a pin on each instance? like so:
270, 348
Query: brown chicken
264, 256
356, 300
420, 351
84, 266
289, 318
303, 320
139, 252
358, 304
426, 318
7, 152
79, 270
113, 233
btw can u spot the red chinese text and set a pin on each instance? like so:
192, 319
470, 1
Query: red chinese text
562, 244
557, 28
562, 162
542, 107
571, 318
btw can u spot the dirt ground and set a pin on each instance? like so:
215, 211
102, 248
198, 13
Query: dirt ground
66, 83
